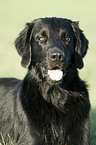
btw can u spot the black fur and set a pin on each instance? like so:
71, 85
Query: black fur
38, 110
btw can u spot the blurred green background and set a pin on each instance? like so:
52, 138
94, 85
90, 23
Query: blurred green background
15, 13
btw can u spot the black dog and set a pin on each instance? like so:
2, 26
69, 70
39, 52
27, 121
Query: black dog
51, 105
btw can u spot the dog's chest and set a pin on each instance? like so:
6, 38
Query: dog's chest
54, 135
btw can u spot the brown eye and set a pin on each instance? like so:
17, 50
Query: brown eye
41, 38
67, 38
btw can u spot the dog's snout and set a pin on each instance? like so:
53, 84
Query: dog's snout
56, 55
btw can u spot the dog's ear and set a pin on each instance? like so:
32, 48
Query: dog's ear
23, 45
81, 45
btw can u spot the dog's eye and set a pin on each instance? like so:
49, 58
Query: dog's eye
41, 38
65, 38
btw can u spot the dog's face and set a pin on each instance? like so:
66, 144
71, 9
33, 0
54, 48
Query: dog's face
53, 45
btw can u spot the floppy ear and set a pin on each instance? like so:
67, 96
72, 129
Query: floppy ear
81, 45
23, 45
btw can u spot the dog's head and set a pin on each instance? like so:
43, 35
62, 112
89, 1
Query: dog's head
53, 45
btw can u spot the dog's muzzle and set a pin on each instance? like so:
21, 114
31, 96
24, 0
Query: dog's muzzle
56, 58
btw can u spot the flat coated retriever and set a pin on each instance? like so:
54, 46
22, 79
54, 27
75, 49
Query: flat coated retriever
51, 105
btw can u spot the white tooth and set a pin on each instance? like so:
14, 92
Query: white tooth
55, 74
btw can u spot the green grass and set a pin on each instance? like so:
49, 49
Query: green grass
15, 13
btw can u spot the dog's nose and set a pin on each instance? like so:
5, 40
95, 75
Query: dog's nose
56, 55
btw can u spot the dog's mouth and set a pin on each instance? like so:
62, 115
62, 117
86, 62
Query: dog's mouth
55, 73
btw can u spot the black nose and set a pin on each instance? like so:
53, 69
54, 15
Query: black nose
56, 55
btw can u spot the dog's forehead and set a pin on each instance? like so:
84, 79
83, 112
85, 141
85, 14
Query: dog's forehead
55, 24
